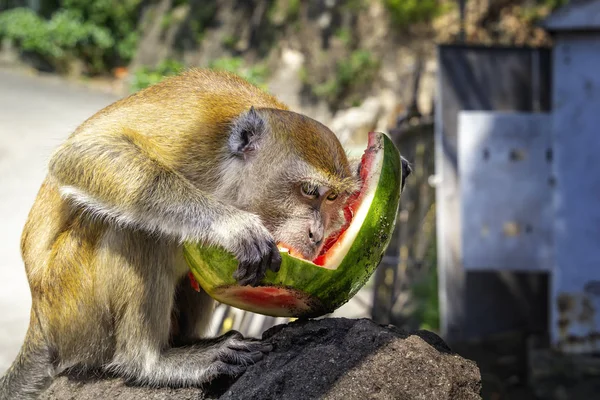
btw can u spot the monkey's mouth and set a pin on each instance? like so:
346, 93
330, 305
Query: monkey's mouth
295, 252
286, 248
357, 207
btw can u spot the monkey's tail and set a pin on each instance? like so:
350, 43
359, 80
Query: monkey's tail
31, 372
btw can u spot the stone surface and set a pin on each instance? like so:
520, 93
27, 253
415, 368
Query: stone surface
333, 358
353, 124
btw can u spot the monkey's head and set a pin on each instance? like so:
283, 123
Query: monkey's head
291, 171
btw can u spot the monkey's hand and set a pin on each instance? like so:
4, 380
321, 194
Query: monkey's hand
256, 250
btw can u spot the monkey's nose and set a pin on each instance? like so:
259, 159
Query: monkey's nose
315, 233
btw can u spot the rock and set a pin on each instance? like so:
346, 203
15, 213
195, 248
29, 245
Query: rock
9, 54
352, 125
285, 82
332, 358
153, 46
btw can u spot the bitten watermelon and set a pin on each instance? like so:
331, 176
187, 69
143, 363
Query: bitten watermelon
303, 288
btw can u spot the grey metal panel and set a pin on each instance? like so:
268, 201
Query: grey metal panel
474, 304
576, 134
576, 16
504, 161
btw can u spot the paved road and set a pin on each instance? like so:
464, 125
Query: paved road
36, 114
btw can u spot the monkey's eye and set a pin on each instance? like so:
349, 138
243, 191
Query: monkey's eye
332, 196
310, 191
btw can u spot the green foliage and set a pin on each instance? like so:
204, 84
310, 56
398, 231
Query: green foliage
200, 17
284, 11
344, 35
171, 17
177, 3
293, 9
425, 293
119, 17
27, 30
145, 76
166, 20
229, 41
352, 73
539, 10
256, 74
205, 14
355, 5
64, 37
127, 46
101, 33
552, 4
407, 12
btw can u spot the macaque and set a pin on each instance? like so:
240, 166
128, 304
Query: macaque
201, 157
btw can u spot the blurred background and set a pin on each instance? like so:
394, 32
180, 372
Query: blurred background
494, 102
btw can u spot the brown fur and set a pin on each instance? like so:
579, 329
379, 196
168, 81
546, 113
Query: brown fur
104, 261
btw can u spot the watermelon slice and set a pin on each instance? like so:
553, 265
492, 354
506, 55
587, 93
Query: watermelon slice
305, 288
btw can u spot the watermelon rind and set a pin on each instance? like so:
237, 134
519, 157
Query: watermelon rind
318, 290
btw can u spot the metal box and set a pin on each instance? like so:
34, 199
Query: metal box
505, 188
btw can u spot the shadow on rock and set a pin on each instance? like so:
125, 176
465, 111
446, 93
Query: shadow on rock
355, 359
332, 358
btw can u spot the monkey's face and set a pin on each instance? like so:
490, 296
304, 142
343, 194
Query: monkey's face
300, 204
311, 212
292, 172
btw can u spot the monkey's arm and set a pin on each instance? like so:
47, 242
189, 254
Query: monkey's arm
121, 178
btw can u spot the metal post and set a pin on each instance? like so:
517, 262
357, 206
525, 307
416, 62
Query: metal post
462, 4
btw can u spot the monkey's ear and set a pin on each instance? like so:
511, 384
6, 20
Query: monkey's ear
246, 133
406, 171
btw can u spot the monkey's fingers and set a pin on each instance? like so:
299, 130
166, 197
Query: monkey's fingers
242, 358
238, 342
258, 269
259, 272
244, 274
241, 271
250, 345
221, 368
254, 274
243, 352
275, 262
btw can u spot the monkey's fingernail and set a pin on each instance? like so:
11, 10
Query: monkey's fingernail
275, 262
266, 347
248, 280
241, 271
256, 356
266, 263
254, 281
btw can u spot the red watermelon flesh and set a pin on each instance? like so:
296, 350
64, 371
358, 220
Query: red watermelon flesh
353, 203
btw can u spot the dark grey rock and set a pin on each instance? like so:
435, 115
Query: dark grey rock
322, 359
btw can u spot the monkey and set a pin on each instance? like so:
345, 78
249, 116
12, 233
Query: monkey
203, 157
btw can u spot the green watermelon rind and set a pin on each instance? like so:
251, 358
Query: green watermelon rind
213, 267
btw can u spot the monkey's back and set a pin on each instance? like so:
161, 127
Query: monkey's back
166, 121
195, 102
